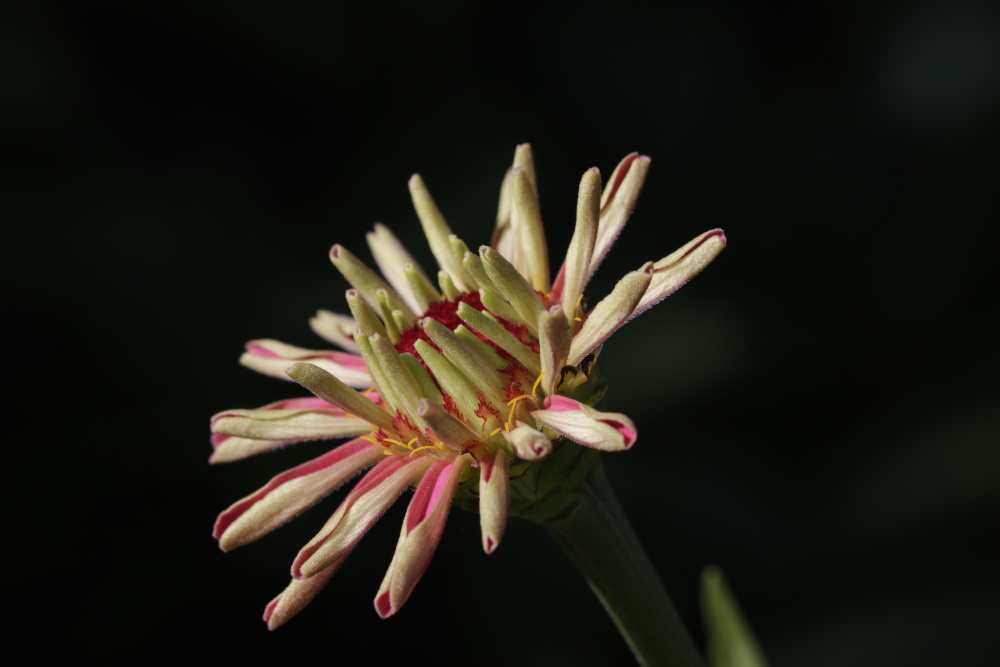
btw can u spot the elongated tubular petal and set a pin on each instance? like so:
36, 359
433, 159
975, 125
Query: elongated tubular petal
499, 306
335, 328
403, 386
423, 291
366, 317
227, 448
294, 425
366, 281
428, 389
613, 311
467, 398
513, 286
524, 159
533, 254
385, 389
480, 369
454, 433
494, 498
528, 443
437, 232
330, 389
421, 532
617, 204
395, 320
576, 269
291, 492
295, 597
607, 431
496, 332
503, 238
555, 337
392, 258
272, 358
474, 265
363, 506
680, 266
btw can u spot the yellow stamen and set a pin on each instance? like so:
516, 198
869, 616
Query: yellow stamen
579, 299
402, 444
534, 387
496, 430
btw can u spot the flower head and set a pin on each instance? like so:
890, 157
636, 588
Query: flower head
451, 386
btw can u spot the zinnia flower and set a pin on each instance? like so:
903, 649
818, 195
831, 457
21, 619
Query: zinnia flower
462, 383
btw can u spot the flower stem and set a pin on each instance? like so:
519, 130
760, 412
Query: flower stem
597, 536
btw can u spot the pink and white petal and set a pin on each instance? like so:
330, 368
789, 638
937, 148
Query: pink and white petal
392, 258
617, 204
494, 498
528, 443
610, 314
335, 328
572, 278
607, 431
271, 357
292, 492
295, 597
227, 449
290, 425
360, 510
331, 390
420, 534
680, 266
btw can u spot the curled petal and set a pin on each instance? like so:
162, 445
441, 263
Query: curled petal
392, 259
420, 534
612, 312
329, 389
228, 447
680, 266
494, 498
528, 443
532, 253
289, 425
617, 204
290, 493
608, 431
363, 506
272, 357
296, 596
335, 328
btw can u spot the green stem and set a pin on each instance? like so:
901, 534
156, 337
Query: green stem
597, 536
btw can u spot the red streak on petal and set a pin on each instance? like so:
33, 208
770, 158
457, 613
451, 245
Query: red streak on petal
329, 459
218, 439
270, 608
628, 434
306, 403
561, 404
374, 477
383, 604
260, 351
485, 410
626, 165
428, 493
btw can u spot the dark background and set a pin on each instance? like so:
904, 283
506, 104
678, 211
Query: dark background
817, 411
